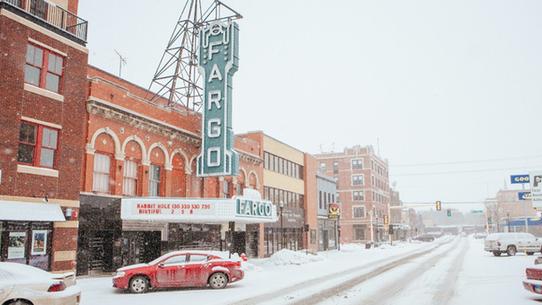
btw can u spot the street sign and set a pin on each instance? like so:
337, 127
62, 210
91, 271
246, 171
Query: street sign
519, 179
219, 60
477, 211
524, 195
536, 185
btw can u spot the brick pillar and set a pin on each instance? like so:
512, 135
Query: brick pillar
168, 182
188, 182
145, 180
89, 169
118, 175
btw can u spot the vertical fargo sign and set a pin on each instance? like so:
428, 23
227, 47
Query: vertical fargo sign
218, 62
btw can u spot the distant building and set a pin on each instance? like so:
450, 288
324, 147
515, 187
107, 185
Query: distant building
506, 207
363, 187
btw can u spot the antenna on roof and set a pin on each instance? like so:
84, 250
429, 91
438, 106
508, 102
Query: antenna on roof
122, 62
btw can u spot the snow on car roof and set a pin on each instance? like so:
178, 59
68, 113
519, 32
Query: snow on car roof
24, 270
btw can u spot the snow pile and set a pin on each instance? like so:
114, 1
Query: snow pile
352, 247
288, 257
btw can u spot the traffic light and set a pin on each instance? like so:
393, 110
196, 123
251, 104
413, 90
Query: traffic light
386, 220
449, 213
438, 205
390, 229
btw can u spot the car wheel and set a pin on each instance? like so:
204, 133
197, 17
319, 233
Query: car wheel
139, 284
218, 280
530, 253
511, 250
497, 253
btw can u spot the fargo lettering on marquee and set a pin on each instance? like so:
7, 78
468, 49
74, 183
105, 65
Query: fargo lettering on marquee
218, 62
253, 208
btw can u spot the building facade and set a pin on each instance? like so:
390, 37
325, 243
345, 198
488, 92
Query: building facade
289, 181
42, 89
328, 227
141, 149
505, 208
363, 187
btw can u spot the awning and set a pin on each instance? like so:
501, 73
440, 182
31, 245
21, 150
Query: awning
27, 211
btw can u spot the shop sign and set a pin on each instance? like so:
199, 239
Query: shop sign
219, 60
333, 211
253, 208
519, 179
536, 185
16, 245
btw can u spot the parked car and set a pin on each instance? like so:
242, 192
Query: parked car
511, 243
479, 235
425, 237
533, 283
179, 269
26, 285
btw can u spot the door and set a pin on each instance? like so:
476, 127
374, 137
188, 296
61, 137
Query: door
196, 272
171, 272
326, 240
150, 248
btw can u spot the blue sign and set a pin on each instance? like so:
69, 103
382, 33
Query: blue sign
519, 179
524, 195
219, 60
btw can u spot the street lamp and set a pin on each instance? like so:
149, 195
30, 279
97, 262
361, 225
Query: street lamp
281, 207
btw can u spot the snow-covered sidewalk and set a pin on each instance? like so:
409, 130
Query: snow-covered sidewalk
263, 276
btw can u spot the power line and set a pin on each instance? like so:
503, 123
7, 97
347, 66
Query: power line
465, 162
467, 171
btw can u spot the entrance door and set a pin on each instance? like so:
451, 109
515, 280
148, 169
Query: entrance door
96, 253
239, 242
326, 240
150, 247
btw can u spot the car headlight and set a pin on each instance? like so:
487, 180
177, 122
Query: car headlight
120, 274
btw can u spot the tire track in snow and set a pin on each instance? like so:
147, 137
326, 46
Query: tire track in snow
370, 271
447, 287
382, 295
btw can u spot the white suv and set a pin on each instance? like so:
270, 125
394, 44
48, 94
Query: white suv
511, 243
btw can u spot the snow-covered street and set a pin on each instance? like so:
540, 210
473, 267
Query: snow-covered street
452, 271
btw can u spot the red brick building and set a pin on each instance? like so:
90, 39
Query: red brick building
364, 191
138, 148
42, 93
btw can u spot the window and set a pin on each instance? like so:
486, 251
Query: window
43, 68
335, 167
129, 184
322, 167
358, 196
358, 212
359, 232
357, 164
357, 179
102, 170
37, 145
175, 260
320, 200
154, 180
197, 258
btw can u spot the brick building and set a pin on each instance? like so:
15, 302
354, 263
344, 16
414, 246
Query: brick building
289, 181
42, 93
364, 193
136, 148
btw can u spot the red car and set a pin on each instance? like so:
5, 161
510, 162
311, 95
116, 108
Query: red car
179, 269
534, 280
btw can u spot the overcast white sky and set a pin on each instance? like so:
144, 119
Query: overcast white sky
435, 81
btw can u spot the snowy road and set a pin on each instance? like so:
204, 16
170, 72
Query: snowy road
447, 272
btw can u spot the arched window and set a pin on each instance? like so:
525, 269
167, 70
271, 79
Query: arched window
102, 177
157, 173
131, 183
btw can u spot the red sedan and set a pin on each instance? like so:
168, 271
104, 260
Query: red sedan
179, 269
534, 280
